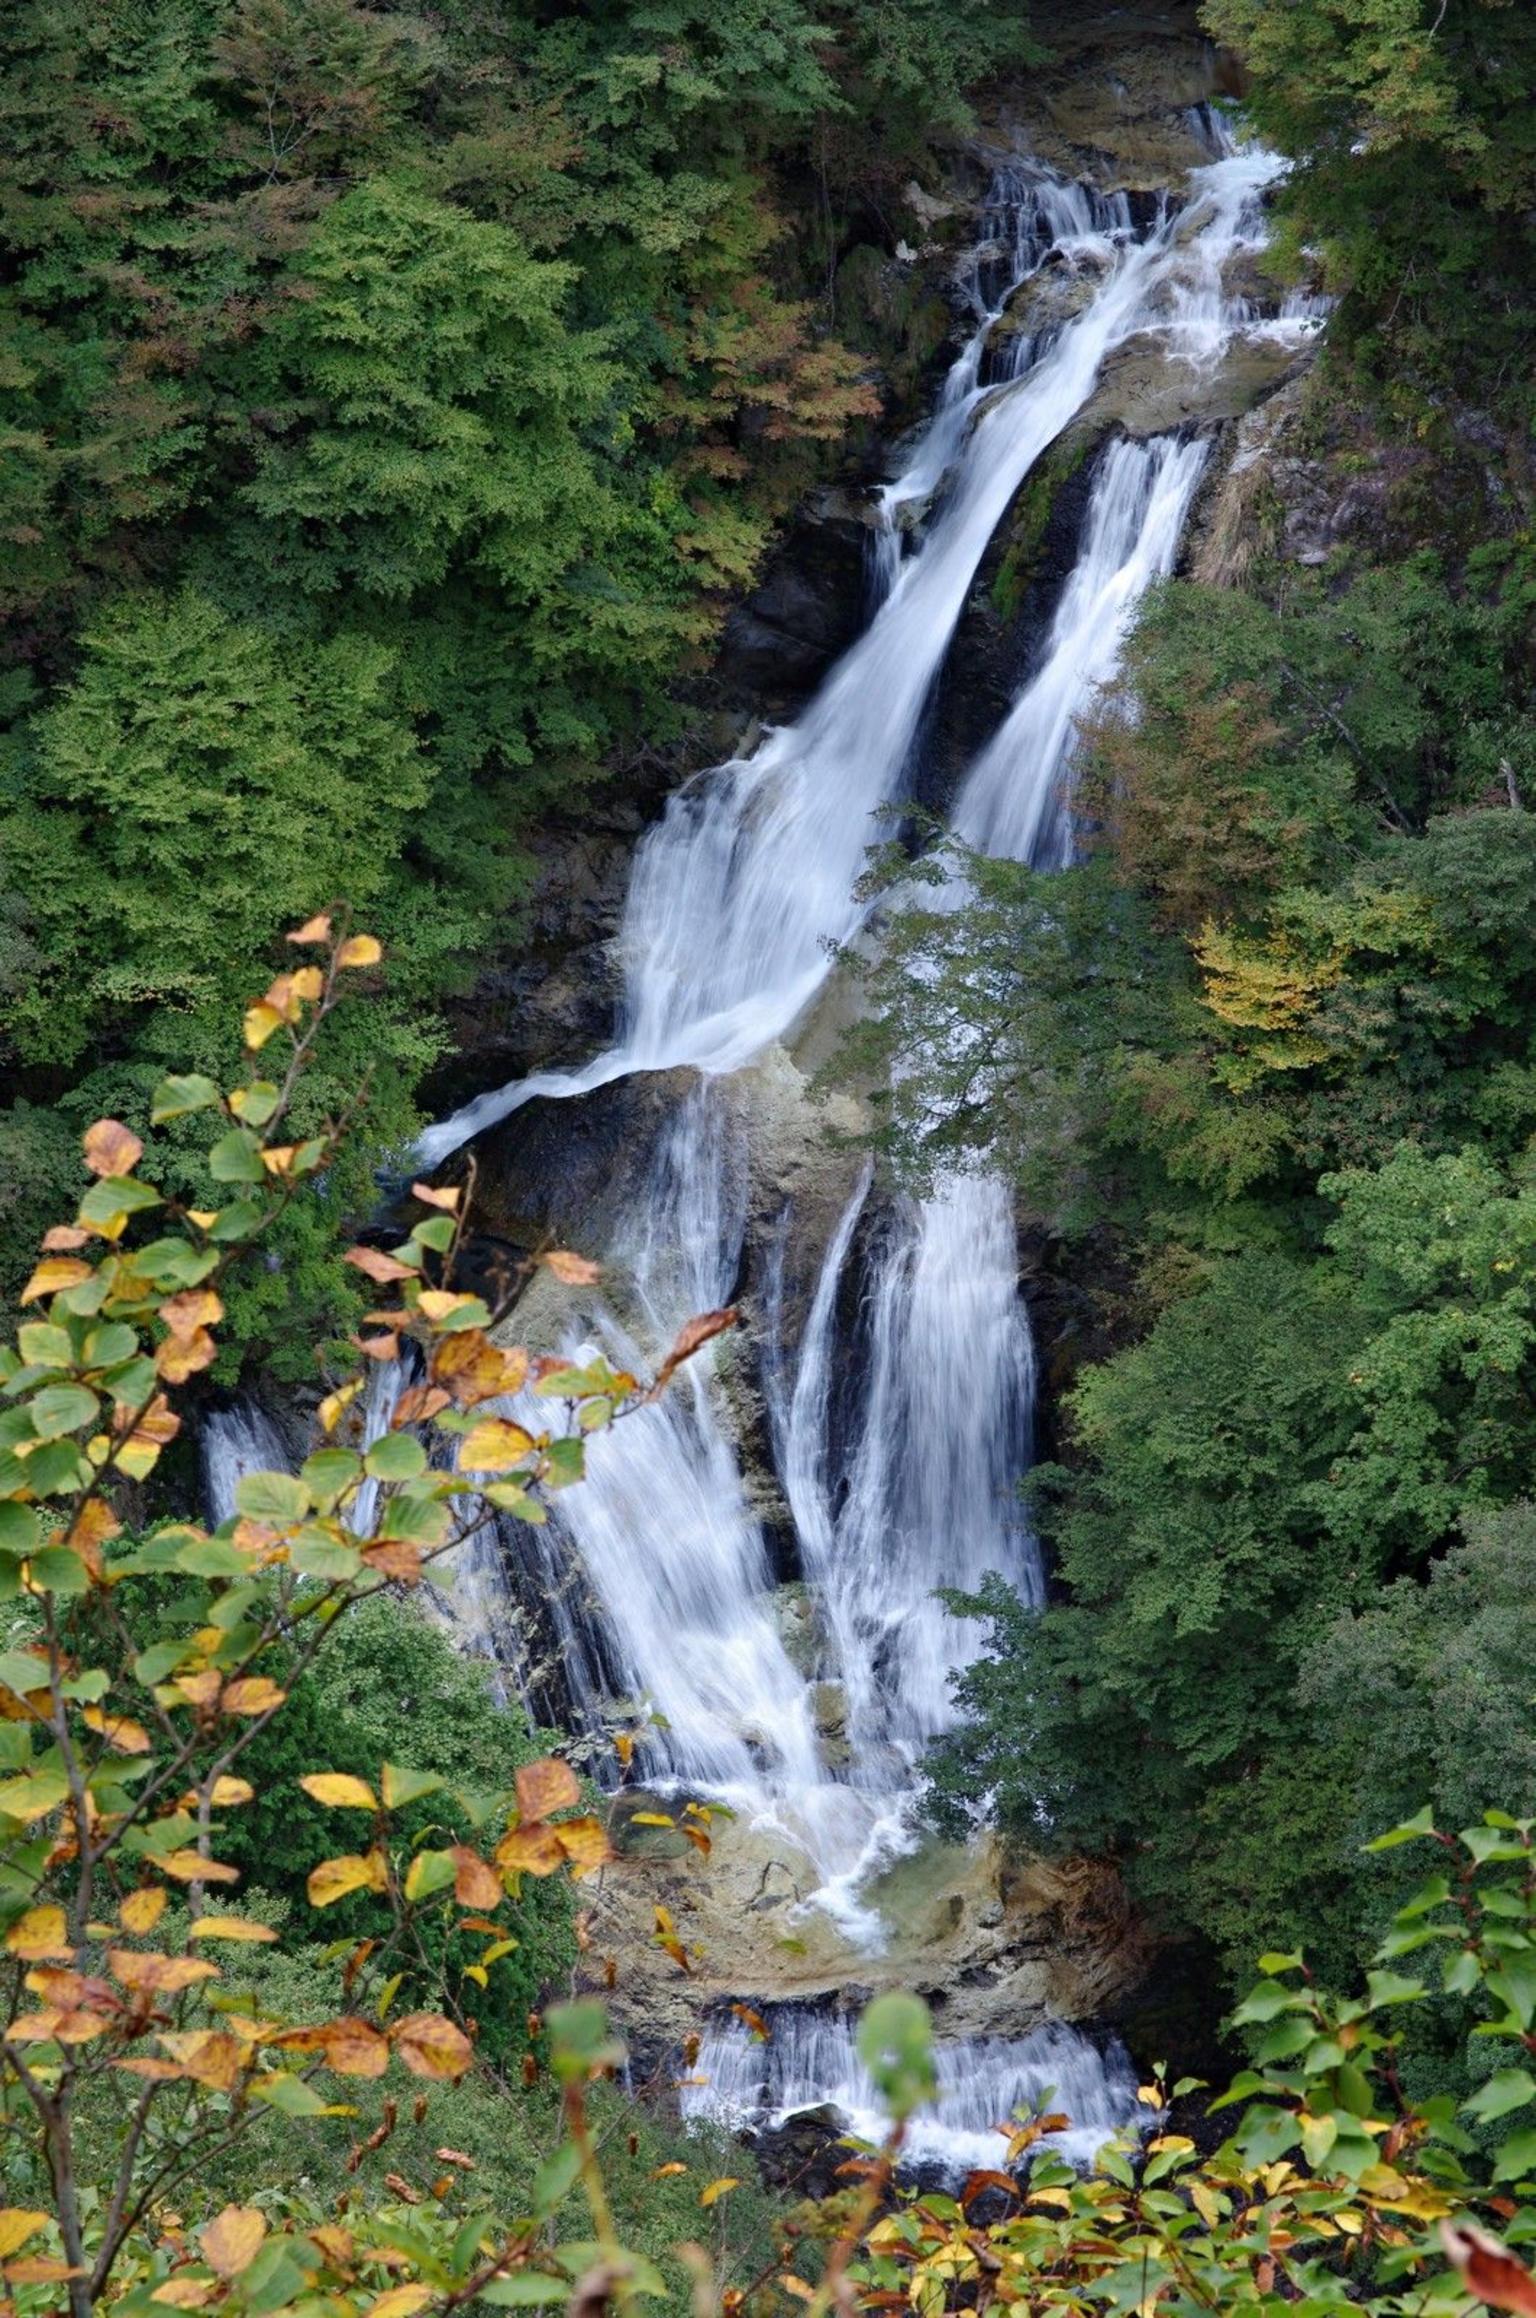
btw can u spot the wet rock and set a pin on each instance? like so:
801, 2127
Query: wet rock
569, 1171
808, 608
794, 1616
829, 1712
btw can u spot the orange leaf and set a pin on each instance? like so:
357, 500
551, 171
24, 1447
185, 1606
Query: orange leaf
584, 1843
431, 2046
377, 1265
315, 929
474, 1884
231, 2242
690, 1336
1488, 2269
159, 1975
576, 1271
531, 1850
111, 1148
354, 2049
64, 1235
545, 1786
192, 1309
430, 1195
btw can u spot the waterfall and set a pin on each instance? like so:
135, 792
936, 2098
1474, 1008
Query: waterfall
1012, 800
654, 1576
750, 875
809, 2061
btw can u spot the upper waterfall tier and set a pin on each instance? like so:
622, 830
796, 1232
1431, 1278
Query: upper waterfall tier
752, 872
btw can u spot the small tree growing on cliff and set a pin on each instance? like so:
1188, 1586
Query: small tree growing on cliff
144, 1666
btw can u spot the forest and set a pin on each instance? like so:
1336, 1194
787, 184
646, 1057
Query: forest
400, 406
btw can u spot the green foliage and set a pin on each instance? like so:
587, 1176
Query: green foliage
390, 403
1412, 125
387, 1672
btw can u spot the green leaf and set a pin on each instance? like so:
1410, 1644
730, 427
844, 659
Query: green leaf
116, 1195
20, 1672
31, 1797
330, 1472
236, 1158
418, 1520
62, 1408
19, 1527
436, 1232
236, 1222
428, 1872
212, 1557
1392, 1988
1264, 2001
276, 1497
895, 2043
315, 1555
57, 1469
174, 1097
59, 1571
579, 2040
257, 1102
1508, 2088
1517, 2156
400, 1786
291, 2095
524, 2290
396, 1457
1422, 1823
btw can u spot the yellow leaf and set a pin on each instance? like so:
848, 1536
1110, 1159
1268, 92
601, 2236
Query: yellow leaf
493, 1446
232, 2241
228, 1928
17, 2224
251, 1694
228, 1791
399, 2302
142, 1910
340, 1791
315, 929
665, 2172
359, 950
334, 1878
54, 1273
191, 1867
718, 2189
41, 1933
122, 1734
308, 983
111, 1148
335, 1404
260, 1022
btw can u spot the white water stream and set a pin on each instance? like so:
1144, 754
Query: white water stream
737, 897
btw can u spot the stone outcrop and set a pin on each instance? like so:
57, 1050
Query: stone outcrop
997, 1947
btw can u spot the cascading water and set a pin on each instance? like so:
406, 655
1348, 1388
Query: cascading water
809, 2060
656, 1570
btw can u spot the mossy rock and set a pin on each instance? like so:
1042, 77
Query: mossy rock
889, 310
